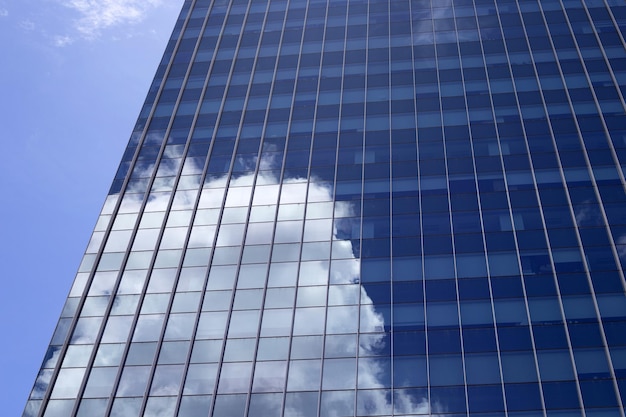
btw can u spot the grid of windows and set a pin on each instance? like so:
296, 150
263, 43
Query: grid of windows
362, 208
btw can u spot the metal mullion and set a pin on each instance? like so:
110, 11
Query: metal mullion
549, 246
156, 251
362, 199
391, 234
545, 230
421, 214
523, 282
254, 188
550, 255
194, 211
203, 291
362, 286
278, 199
445, 161
143, 293
181, 261
615, 25
220, 363
618, 29
224, 196
606, 59
511, 218
285, 152
450, 219
321, 66
345, 40
142, 296
312, 134
323, 43
482, 227
579, 239
458, 294
63, 350
508, 197
616, 256
259, 152
549, 250
421, 225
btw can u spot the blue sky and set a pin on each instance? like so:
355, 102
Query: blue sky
74, 74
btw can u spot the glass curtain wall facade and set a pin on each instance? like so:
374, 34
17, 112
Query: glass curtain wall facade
344, 208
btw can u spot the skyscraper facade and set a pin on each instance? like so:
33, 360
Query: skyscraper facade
343, 208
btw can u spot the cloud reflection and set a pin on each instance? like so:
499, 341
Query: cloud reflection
620, 244
587, 213
330, 298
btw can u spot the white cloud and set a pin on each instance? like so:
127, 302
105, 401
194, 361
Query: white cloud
27, 25
587, 214
96, 15
4, 12
61, 41
621, 247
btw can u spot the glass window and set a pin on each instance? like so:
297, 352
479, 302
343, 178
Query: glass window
341, 402
445, 369
166, 380
269, 376
126, 407
339, 373
173, 352
301, 404
233, 405
212, 325
216, 300
161, 280
92, 407
195, 405
200, 379
206, 351
67, 383
244, 323
160, 406
155, 303
235, 377
124, 304
117, 329
518, 367
337, 346
248, 299
109, 355
77, 356
409, 371
279, 297
273, 348
304, 375
311, 296
309, 321
276, 322
186, 301
133, 381
86, 330
59, 408
262, 405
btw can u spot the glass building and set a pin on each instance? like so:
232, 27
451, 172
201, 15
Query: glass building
344, 208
